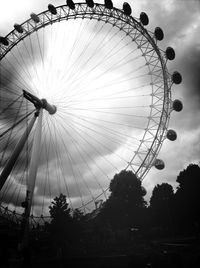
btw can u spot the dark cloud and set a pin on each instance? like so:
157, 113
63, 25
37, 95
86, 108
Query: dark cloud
191, 74
173, 16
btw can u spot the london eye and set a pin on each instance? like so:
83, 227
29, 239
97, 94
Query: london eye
84, 93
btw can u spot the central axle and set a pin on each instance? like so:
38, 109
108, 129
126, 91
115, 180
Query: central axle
40, 103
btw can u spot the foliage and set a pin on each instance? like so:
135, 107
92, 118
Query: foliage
78, 215
161, 203
187, 198
61, 226
161, 194
124, 208
178, 211
59, 208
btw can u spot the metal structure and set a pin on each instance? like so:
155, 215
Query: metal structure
25, 46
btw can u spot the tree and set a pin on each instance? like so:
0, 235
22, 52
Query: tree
161, 203
187, 198
124, 208
78, 215
59, 208
61, 226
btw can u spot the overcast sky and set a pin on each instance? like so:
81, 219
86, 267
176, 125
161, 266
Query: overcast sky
180, 21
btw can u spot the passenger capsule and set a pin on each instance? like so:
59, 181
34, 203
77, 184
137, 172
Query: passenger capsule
4, 41
127, 9
52, 9
144, 18
170, 53
159, 35
90, 3
176, 78
171, 135
18, 28
70, 4
159, 164
108, 4
35, 18
177, 105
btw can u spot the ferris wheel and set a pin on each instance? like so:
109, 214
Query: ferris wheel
84, 93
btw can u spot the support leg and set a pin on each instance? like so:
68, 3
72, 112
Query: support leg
32, 176
11, 162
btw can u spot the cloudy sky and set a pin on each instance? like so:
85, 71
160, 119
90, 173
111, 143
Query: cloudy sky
180, 21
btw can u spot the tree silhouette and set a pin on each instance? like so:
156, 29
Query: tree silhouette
161, 203
187, 198
59, 208
124, 208
78, 215
61, 226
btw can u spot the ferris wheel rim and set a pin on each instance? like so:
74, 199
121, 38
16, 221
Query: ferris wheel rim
127, 20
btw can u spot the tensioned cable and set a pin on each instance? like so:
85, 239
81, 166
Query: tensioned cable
114, 132
70, 158
92, 138
111, 83
100, 45
141, 87
106, 57
66, 187
14, 70
15, 124
74, 143
73, 128
9, 105
59, 160
92, 36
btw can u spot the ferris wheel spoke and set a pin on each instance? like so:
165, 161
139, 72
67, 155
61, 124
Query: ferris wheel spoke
10, 104
87, 61
105, 58
99, 46
21, 63
83, 87
108, 113
65, 128
63, 173
113, 137
15, 124
75, 46
71, 160
109, 84
80, 133
16, 88
90, 119
77, 146
112, 94
74, 73
96, 141
12, 70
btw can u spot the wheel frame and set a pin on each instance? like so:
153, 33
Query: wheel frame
146, 42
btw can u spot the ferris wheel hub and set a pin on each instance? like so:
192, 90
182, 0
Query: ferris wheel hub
49, 107
40, 103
